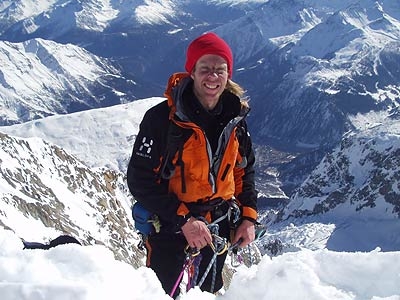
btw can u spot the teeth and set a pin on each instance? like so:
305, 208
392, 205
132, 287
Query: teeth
211, 86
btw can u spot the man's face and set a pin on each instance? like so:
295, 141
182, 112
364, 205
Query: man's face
210, 76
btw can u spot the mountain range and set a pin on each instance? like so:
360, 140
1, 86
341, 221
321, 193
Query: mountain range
298, 60
322, 78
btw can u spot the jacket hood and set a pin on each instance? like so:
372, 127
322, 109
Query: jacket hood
177, 83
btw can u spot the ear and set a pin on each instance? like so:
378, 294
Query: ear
192, 72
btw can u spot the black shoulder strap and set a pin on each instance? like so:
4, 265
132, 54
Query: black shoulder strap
176, 138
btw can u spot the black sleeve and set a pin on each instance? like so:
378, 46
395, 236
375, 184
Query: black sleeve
142, 177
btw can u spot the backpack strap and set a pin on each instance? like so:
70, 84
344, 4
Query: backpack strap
176, 138
241, 132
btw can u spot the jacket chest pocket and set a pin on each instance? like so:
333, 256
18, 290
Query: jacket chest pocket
191, 179
196, 159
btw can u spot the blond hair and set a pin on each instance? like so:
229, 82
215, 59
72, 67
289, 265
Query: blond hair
237, 90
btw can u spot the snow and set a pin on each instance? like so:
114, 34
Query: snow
38, 72
90, 272
236, 2
25, 9
155, 12
163, 11
96, 15
100, 137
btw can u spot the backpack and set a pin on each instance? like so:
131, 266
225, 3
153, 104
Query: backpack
61, 240
145, 221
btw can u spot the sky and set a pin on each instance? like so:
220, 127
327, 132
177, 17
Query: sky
91, 273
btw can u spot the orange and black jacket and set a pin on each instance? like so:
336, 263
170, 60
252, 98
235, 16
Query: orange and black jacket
216, 162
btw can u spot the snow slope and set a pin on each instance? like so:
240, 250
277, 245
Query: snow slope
91, 273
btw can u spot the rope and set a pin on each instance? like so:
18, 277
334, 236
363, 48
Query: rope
193, 257
219, 246
195, 273
212, 263
214, 276
171, 294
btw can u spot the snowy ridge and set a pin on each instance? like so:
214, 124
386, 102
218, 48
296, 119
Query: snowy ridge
362, 172
88, 15
41, 78
20, 9
100, 137
155, 12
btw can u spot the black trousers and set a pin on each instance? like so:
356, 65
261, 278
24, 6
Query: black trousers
166, 256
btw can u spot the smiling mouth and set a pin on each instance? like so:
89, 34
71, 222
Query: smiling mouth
211, 86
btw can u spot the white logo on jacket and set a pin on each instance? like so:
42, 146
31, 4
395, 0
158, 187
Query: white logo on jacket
145, 147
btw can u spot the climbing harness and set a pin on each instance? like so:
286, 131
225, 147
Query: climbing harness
219, 246
193, 258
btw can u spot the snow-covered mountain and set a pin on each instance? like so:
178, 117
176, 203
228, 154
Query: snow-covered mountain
40, 77
47, 192
363, 172
324, 69
356, 187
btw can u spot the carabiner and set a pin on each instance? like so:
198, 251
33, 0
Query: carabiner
192, 252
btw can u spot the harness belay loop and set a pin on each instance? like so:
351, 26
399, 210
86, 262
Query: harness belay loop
219, 246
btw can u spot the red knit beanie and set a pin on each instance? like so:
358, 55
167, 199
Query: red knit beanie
208, 43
